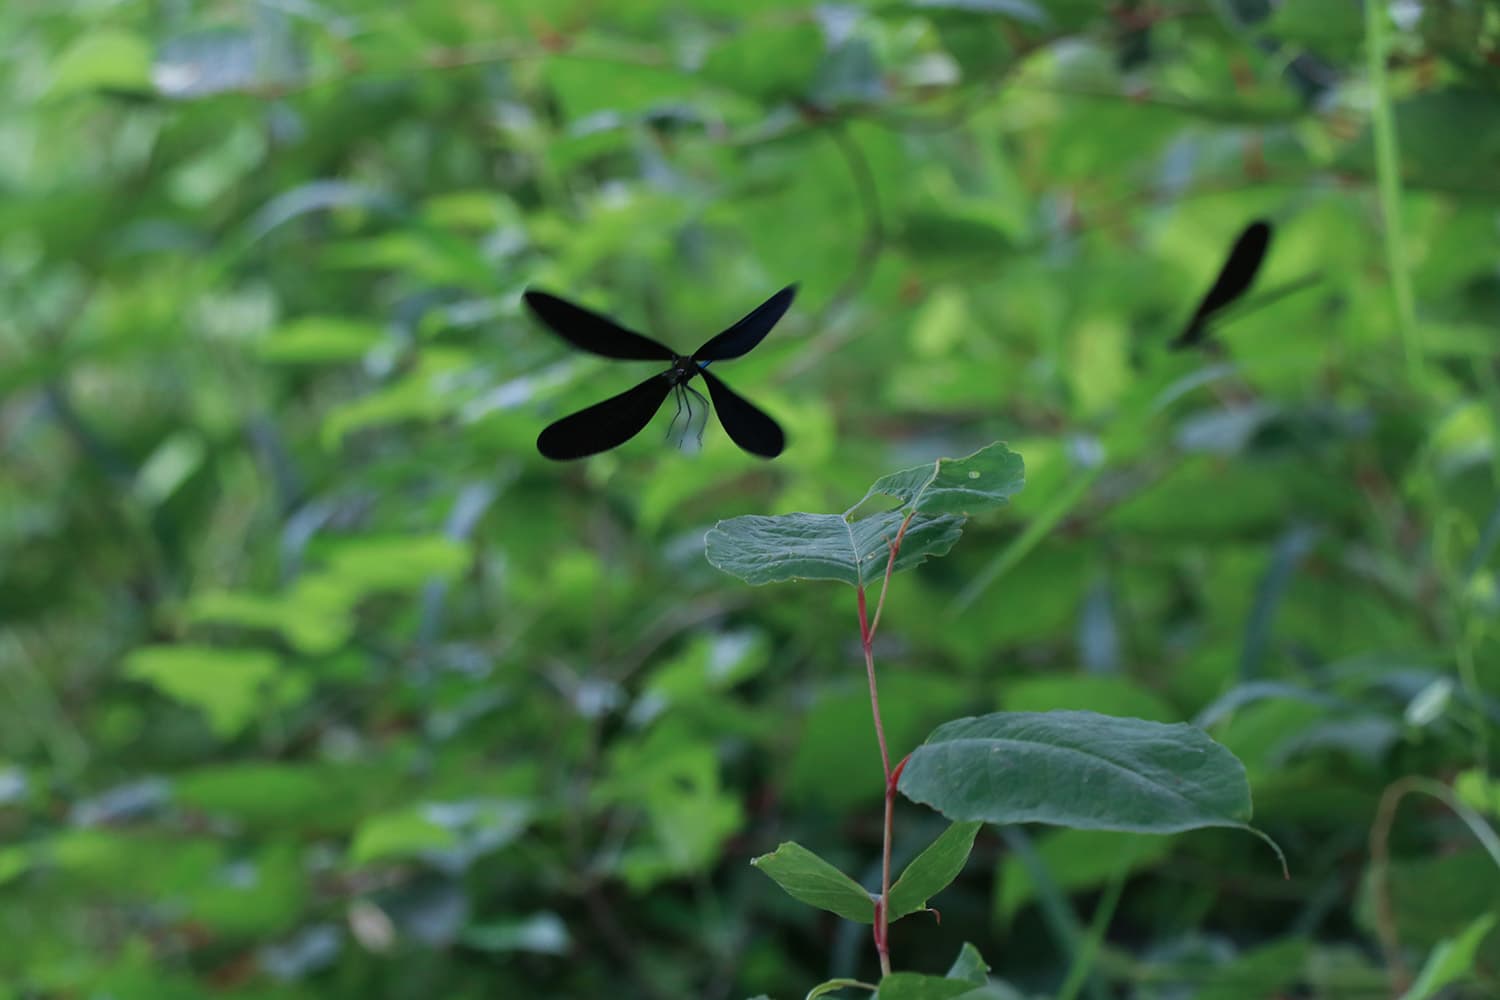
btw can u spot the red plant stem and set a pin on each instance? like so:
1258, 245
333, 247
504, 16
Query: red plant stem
866, 637
867, 640
890, 566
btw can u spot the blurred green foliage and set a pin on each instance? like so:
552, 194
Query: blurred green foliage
315, 680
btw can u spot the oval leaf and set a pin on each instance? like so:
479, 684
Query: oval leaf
810, 879
1078, 769
933, 869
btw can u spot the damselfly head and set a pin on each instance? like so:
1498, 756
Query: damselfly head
683, 368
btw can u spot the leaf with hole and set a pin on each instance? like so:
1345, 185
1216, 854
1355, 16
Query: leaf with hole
985, 479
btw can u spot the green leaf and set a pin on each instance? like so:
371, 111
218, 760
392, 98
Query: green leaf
676, 780
932, 870
255, 792
313, 617
834, 985
1451, 960
913, 986
225, 684
116, 864
313, 340
399, 834
587, 86
985, 479
1078, 769
810, 879
14, 861
374, 563
108, 58
969, 966
855, 551
825, 546
939, 237
269, 903
1478, 790
772, 63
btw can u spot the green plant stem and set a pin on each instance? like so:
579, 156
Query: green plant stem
1104, 912
867, 640
1388, 179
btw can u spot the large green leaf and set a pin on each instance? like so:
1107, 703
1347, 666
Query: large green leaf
855, 550
809, 878
825, 546
1078, 769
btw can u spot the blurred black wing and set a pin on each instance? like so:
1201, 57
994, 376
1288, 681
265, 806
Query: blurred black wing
1239, 271
604, 425
746, 425
740, 338
588, 331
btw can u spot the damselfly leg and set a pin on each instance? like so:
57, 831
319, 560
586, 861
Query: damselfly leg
678, 395
702, 424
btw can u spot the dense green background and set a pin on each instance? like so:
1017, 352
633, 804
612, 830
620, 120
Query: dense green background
315, 680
